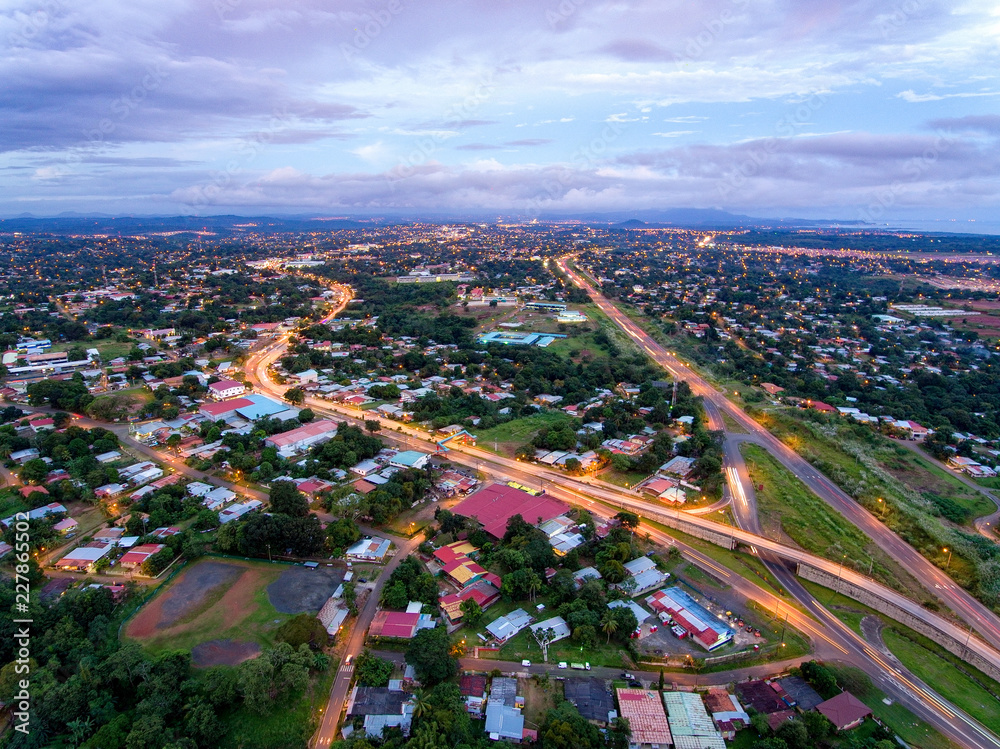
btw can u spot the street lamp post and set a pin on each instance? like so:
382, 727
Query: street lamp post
948, 551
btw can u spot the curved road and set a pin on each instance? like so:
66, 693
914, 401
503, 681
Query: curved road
937, 582
832, 639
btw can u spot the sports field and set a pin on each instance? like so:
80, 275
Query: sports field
224, 610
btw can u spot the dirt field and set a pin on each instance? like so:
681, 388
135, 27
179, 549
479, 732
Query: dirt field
301, 589
223, 652
217, 609
192, 589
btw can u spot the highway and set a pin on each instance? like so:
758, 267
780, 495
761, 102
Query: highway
936, 581
831, 638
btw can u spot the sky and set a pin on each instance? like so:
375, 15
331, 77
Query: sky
870, 111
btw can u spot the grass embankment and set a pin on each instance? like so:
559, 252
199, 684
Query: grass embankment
964, 686
927, 507
788, 509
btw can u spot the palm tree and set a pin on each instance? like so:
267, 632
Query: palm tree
534, 585
421, 705
609, 624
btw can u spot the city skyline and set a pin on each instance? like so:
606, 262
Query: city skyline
852, 111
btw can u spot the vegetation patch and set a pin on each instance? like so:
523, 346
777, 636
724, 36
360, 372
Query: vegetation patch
788, 507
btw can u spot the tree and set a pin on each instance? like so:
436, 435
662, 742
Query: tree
430, 654
306, 415
472, 612
794, 734
371, 670
342, 533
295, 395
544, 638
609, 625
302, 629
34, 471
288, 500
628, 519
373, 425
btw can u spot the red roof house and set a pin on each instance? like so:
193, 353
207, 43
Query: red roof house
395, 624
845, 711
495, 504
140, 554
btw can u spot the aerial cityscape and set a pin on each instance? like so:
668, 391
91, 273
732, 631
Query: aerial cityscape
574, 375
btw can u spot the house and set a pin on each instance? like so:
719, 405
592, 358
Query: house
371, 701
505, 627
198, 489
484, 592
799, 693
587, 573
473, 688
39, 512
638, 611
238, 509
398, 625
84, 557
409, 459
643, 576
454, 551
27, 491
845, 711
135, 557
463, 571
690, 725
66, 526
371, 549
225, 389
495, 504
109, 491
504, 723
727, 713
365, 468
591, 698
23, 456
219, 494
760, 696
557, 624
108, 457
646, 717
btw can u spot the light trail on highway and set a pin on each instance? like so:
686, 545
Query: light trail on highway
833, 633
984, 621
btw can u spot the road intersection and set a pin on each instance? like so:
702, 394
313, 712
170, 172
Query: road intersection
832, 639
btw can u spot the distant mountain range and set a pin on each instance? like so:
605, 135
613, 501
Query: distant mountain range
75, 223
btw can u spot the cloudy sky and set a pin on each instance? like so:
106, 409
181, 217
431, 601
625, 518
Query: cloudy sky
836, 109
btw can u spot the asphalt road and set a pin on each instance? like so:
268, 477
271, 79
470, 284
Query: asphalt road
326, 733
937, 582
832, 640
